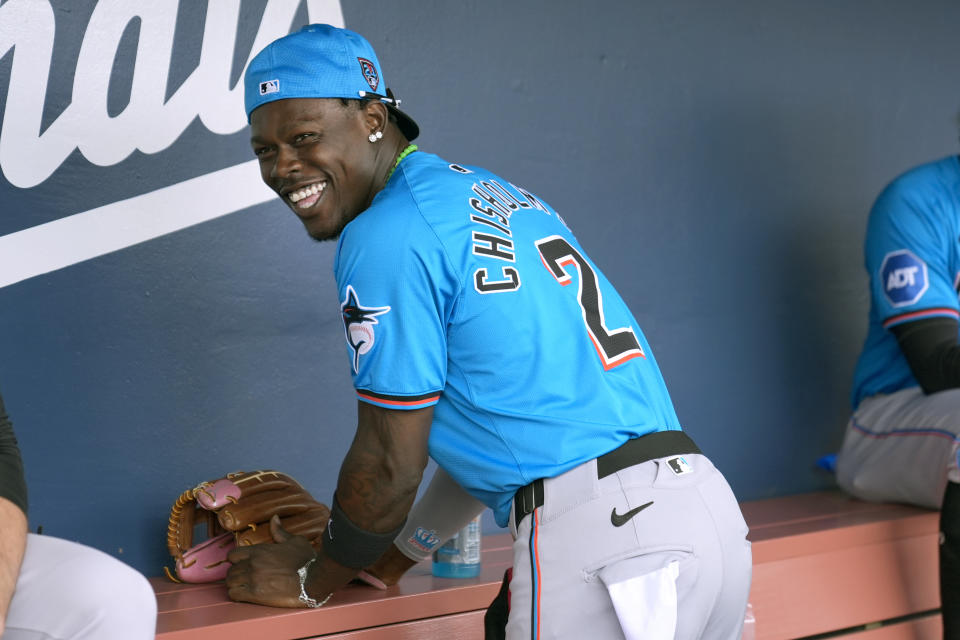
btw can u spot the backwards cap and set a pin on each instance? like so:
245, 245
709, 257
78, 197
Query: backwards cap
320, 61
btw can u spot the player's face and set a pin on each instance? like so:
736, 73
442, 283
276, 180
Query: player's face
315, 154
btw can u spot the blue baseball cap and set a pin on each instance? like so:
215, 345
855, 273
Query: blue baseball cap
320, 61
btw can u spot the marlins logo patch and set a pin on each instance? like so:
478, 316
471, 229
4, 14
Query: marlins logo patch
358, 324
370, 73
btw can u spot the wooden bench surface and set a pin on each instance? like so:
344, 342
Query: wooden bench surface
203, 610
822, 562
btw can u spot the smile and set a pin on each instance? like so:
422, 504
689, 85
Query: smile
307, 196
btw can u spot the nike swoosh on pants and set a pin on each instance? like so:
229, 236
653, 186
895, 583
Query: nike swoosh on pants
619, 520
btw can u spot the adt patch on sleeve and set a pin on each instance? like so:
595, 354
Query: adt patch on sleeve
904, 277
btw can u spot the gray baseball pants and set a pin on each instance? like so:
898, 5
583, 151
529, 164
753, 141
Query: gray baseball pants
678, 567
902, 447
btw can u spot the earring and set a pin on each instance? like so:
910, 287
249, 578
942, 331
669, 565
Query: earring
375, 137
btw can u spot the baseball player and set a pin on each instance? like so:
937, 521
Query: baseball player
478, 331
53, 588
901, 442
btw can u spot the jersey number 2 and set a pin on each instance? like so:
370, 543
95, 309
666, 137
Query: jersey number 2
614, 347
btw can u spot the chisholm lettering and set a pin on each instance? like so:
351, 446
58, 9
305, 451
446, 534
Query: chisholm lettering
149, 122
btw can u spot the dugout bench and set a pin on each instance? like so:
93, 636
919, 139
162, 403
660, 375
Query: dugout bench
824, 565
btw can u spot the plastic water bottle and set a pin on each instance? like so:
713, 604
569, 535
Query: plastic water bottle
749, 624
459, 557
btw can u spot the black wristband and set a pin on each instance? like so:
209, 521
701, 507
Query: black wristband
351, 546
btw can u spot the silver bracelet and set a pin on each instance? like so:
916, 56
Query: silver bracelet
304, 598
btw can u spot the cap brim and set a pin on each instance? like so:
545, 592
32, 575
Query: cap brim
407, 125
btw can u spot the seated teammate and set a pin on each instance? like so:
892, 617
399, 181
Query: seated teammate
53, 589
901, 442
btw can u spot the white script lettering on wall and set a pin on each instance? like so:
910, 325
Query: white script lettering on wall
150, 122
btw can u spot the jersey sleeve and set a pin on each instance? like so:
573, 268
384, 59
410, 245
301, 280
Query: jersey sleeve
908, 258
397, 292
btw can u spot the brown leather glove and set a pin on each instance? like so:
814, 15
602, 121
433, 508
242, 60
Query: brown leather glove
237, 510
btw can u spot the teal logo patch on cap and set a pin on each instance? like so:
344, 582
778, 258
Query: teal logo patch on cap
369, 73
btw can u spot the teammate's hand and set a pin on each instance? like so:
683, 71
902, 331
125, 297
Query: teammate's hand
267, 573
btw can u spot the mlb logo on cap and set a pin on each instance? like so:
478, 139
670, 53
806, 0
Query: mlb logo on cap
270, 86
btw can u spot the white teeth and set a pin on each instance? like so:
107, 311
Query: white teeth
310, 190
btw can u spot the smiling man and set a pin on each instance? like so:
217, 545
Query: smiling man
309, 156
539, 400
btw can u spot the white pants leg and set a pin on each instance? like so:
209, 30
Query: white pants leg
68, 591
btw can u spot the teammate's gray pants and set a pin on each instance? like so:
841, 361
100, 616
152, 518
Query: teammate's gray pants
902, 447
679, 568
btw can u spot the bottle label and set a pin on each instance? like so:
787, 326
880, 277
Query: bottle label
470, 546
462, 548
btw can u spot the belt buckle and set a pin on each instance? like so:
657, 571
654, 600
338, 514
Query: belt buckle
525, 500
521, 502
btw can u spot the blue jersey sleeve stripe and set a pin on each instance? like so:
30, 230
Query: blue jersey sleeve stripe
917, 315
399, 402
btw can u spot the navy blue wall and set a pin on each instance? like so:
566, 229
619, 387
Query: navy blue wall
717, 163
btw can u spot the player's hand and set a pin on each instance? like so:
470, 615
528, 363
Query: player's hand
267, 573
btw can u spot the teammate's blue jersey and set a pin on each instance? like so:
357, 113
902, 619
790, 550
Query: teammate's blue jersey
463, 291
912, 253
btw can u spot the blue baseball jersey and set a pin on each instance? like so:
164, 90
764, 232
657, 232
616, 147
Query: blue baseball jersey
464, 292
912, 253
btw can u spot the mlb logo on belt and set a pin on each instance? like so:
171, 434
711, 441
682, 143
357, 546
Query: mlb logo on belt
270, 86
679, 465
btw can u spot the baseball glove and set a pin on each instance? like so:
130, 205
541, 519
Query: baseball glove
237, 510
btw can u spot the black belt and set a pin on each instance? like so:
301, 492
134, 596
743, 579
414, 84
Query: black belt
651, 446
